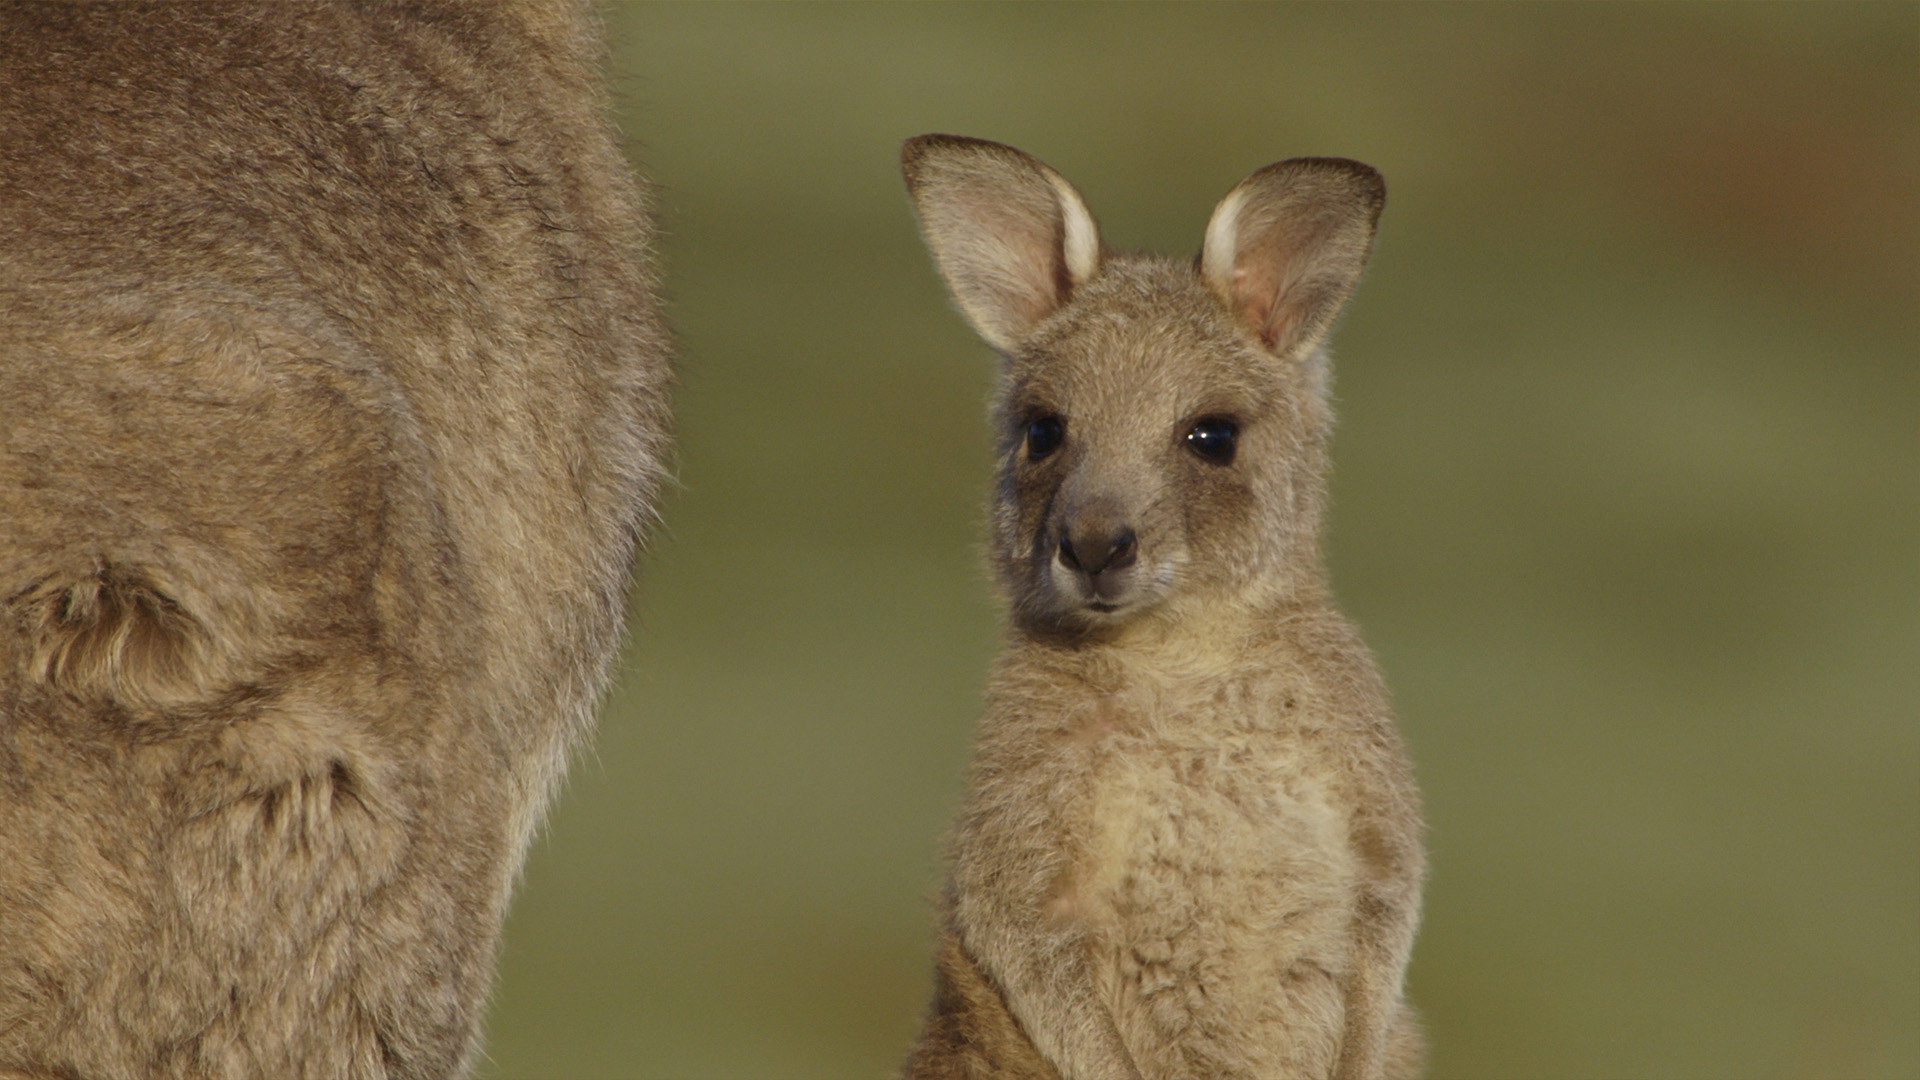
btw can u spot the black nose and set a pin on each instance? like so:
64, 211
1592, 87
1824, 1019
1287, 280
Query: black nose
1094, 551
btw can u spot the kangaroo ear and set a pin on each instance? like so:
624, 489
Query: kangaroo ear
1284, 248
1010, 235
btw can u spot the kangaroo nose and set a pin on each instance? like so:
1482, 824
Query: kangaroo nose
1096, 550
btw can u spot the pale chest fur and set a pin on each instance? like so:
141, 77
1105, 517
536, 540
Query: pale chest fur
1196, 819
1190, 834
1218, 861
1191, 838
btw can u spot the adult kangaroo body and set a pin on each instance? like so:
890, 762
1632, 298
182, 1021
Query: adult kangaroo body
332, 403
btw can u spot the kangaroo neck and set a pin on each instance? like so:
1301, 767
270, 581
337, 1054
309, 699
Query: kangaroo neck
1197, 644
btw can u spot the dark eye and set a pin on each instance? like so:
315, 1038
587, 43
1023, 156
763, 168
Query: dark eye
1211, 437
1044, 435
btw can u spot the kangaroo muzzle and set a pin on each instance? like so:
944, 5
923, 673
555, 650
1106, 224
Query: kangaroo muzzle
1097, 547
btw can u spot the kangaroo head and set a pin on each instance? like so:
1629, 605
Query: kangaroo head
1162, 424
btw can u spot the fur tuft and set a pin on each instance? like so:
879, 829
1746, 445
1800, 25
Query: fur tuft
113, 637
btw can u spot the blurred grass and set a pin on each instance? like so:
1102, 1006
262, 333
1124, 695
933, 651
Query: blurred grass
1627, 500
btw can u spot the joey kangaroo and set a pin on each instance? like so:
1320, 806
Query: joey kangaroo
332, 404
1190, 845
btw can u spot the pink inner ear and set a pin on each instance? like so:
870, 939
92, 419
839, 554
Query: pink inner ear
1261, 281
1028, 244
1282, 325
1046, 282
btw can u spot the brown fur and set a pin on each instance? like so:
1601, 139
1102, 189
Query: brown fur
332, 400
1191, 841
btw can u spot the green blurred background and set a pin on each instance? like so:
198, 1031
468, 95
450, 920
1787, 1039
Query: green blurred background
1627, 500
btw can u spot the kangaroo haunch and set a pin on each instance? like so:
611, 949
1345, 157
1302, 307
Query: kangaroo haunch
332, 402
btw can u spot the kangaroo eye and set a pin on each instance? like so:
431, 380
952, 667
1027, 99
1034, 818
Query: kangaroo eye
1044, 435
1211, 438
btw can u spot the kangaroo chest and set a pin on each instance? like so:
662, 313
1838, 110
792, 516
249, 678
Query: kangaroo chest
1190, 821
